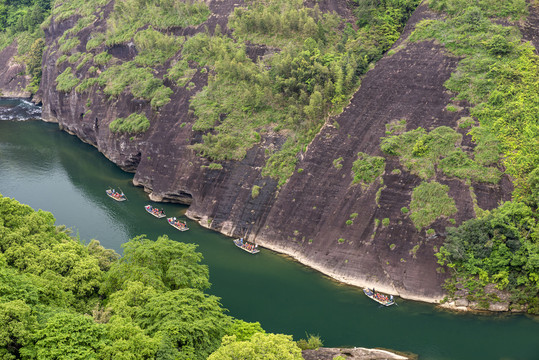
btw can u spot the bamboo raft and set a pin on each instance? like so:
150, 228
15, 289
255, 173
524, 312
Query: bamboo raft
182, 226
250, 248
116, 195
155, 211
379, 298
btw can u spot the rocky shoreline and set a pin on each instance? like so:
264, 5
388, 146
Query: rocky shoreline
356, 353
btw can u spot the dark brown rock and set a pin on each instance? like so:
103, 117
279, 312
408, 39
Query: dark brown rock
13, 78
307, 216
353, 354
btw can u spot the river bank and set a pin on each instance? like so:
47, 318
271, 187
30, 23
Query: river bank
51, 170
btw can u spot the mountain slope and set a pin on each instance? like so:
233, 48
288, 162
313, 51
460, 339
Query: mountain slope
342, 206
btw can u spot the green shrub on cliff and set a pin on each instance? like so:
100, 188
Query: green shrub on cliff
133, 124
154, 48
429, 202
458, 164
181, 73
499, 76
102, 58
282, 22
139, 81
367, 168
130, 15
419, 151
66, 81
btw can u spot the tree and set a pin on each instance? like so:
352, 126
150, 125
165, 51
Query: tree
261, 346
533, 182
126, 341
163, 264
193, 321
17, 323
66, 336
244, 330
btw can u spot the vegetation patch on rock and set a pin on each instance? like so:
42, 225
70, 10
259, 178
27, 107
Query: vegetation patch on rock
133, 124
430, 201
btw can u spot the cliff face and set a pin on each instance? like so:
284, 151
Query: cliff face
305, 218
13, 78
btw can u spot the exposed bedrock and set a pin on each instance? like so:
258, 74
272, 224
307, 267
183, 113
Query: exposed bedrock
13, 80
306, 218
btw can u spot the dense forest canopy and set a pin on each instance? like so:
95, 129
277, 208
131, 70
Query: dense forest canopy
63, 299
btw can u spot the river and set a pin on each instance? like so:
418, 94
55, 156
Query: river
51, 170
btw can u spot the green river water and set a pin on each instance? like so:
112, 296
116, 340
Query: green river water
48, 169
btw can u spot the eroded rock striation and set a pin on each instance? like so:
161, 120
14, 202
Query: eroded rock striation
308, 217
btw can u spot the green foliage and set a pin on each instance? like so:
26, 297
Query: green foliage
85, 84
429, 202
291, 92
69, 44
255, 191
498, 75
74, 57
511, 8
244, 331
466, 122
126, 340
33, 64
83, 61
66, 81
19, 20
148, 304
419, 151
458, 164
313, 342
501, 248
154, 48
131, 15
95, 40
102, 58
213, 166
67, 8
533, 181
353, 215
396, 127
337, 163
181, 73
349, 222
341, 240
260, 346
133, 124
67, 335
163, 264
385, 221
405, 210
196, 330
61, 59
278, 22
367, 168
139, 81
17, 323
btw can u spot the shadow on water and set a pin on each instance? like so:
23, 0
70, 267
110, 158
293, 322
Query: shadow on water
51, 170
